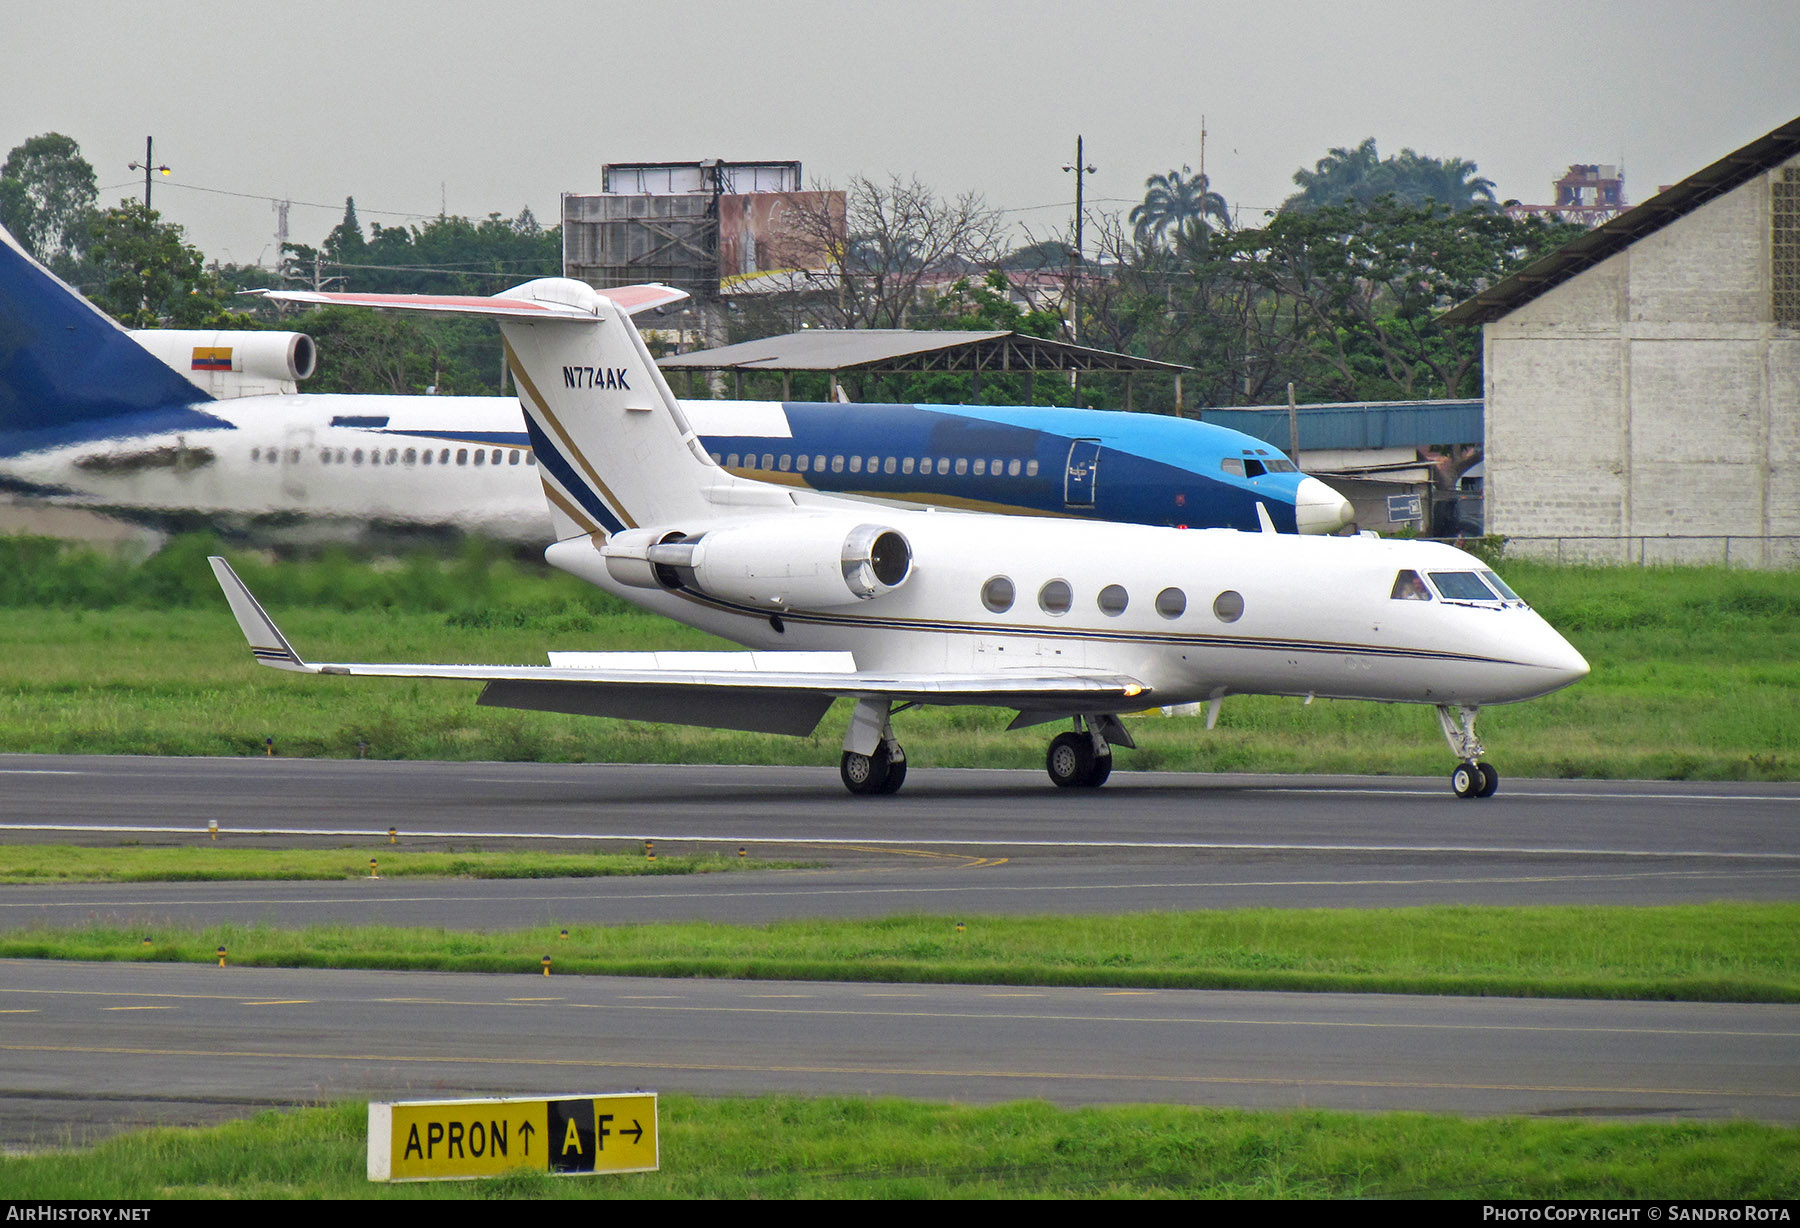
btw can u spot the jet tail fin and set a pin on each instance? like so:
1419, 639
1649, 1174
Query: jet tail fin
64, 362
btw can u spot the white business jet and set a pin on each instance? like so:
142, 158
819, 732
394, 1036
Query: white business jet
1057, 620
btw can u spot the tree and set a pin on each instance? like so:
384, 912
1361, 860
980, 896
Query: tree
1176, 201
142, 272
47, 197
892, 240
1362, 176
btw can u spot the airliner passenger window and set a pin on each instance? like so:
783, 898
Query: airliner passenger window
481, 456
962, 466
325, 457
768, 460
1462, 586
393, 456
856, 464
255, 454
1031, 469
1012, 470
410, 457
731, 462
530, 459
874, 461
512, 457
1171, 603
785, 462
1113, 600
802, 463
943, 465
1055, 597
443, 457
887, 466
981, 466
906, 465
356, 457
718, 459
462, 456
1228, 607
837, 464
818, 464
495, 457
1408, 587
997, 594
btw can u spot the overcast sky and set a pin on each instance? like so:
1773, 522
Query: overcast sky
489, 107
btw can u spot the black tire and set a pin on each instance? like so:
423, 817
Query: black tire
1490, 780
896, 776
1102, 769
1070, 760
864, 774
1466, 781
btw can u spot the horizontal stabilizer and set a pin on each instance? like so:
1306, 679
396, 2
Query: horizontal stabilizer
547, 299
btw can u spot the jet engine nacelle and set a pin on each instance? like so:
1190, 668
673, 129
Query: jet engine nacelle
233, 363
777, 563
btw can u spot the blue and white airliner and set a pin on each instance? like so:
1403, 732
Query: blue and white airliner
171, 427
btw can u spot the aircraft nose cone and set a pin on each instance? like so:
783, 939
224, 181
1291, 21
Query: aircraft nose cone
1320, 509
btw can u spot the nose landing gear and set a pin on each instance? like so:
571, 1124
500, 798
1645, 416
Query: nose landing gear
1472, 777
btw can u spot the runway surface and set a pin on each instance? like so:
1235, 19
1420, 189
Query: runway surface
94, 1048
89, 1048
953, 842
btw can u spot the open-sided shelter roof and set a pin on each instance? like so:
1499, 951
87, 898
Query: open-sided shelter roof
906, 350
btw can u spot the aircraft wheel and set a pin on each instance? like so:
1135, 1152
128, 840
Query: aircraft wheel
1490, 780
864, 774
1070, 761
1102, 769
1466, 780
896, 776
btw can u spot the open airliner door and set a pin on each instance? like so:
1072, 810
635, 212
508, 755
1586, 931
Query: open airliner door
893, 608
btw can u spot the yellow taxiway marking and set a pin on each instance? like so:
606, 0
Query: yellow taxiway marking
137, 1008
535, 999
278, 1002
922, 1072
24, 1010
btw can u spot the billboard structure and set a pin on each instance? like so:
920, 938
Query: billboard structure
712, 228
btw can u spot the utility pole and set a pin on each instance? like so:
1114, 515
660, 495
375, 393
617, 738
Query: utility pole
1082, 170
148, 165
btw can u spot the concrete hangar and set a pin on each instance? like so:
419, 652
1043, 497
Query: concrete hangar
1643, 382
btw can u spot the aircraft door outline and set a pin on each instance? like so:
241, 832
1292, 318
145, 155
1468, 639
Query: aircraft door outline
1082, 474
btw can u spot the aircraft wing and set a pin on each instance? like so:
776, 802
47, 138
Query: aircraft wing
629, 299
762, 692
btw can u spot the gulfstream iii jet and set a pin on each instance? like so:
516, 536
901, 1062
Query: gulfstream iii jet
1058, 620
167, 427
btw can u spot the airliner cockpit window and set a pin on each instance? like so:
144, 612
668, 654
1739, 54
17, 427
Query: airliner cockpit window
1499, 586
1408, 587
1278, 465
1232, 465
1462, 586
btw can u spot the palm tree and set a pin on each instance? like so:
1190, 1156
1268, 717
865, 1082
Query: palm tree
1344, 175
1175, 201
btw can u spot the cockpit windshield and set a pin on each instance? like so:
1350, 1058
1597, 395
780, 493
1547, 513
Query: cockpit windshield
1462, 586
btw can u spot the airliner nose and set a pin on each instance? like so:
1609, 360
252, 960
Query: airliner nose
1320, 509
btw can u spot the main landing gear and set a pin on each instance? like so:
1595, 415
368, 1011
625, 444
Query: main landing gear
872, 761
1472, 777
1083, 758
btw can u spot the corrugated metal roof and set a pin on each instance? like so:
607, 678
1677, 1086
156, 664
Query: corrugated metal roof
899, 349
1732, 171
1358, 424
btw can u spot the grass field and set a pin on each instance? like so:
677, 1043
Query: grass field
1696, 676
1715, 952
789, 1147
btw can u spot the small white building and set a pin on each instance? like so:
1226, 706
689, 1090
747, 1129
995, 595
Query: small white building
1643, 382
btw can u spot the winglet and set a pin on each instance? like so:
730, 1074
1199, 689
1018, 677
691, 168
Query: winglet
266, 641
1262, 516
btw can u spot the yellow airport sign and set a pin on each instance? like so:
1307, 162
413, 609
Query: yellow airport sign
448, 1140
